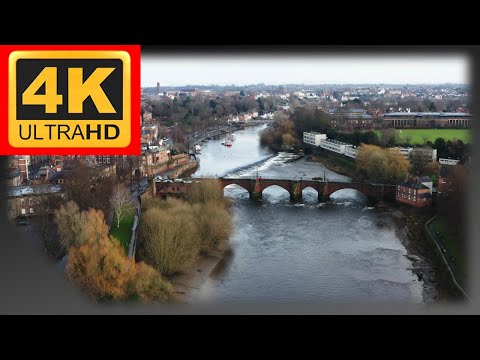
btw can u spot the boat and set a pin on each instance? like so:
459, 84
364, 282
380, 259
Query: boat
198, 149
228, 143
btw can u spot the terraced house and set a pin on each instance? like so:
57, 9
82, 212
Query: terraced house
414, 192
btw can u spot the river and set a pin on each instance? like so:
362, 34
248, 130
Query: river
310, 252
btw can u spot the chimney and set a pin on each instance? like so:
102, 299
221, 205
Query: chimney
158, 88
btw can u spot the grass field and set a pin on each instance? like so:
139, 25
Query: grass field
123, 233
417, 135
449, 237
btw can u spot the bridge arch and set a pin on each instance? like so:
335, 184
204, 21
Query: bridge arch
285, 186
234, 189
276, 192
349, 193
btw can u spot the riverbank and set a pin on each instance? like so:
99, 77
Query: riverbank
426, 263
188, 283
342, 166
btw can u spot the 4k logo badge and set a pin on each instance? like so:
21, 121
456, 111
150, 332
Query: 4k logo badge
74, 100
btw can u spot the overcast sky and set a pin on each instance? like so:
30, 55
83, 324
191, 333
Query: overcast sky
308, 69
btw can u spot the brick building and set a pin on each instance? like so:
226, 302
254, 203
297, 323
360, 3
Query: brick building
414, 193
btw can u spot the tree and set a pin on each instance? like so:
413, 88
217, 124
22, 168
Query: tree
87, 187
288, 140
170, 240
76, 228
432, 107
380, 164
68, 221
103, 271
122, 203
242, 93
389, 137
45, 205
441, 147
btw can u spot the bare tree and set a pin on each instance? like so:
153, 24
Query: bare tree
122, 203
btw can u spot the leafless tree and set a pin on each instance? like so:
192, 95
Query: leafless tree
122, 202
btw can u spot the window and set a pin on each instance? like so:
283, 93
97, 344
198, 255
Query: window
22, 201
108, 160
31, 211
398, 187
31, 201
414, 198
24, 211
443, 181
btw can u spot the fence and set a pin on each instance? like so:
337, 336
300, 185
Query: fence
136, 221
433, 238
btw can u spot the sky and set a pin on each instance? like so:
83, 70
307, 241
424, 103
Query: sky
181, 70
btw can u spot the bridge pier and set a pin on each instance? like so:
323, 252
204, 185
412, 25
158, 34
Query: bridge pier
323, 198
255, 195
295, 197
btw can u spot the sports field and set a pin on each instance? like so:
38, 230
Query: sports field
419, 136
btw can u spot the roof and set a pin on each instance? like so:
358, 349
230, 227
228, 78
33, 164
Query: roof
13, 172
341, 110
17, 191
412, 184
422, 114
425, 179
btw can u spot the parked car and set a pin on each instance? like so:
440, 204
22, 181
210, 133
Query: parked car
21, 220
158, 178
178, 180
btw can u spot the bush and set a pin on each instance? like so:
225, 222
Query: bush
170, 241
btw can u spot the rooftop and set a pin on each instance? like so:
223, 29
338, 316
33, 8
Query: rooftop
17, 191
412, 184
421, 114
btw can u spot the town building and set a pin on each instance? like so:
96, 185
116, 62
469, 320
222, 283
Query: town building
314, 138
444, 161
338, 147
404, 151
342, 118
27, 200
423, 153
426, 119
351, 151
414, 193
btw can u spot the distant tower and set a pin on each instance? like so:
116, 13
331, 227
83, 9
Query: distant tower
158, 88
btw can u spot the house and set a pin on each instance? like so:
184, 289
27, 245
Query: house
27, 200
13, 176
414, 193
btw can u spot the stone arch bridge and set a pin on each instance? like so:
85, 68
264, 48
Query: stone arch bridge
255, 187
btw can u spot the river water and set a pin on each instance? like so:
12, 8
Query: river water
310, 252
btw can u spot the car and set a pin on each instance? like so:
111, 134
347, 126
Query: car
178, 180
158, 178
21, 221
167, 181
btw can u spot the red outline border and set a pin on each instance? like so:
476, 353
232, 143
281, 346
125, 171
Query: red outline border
132, 149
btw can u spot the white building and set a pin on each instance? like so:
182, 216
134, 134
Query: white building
314, 138
335, 146
404, 151
351, 151
444, 161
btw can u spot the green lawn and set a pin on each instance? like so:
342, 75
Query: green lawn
417, 135
449, 237
123, 233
